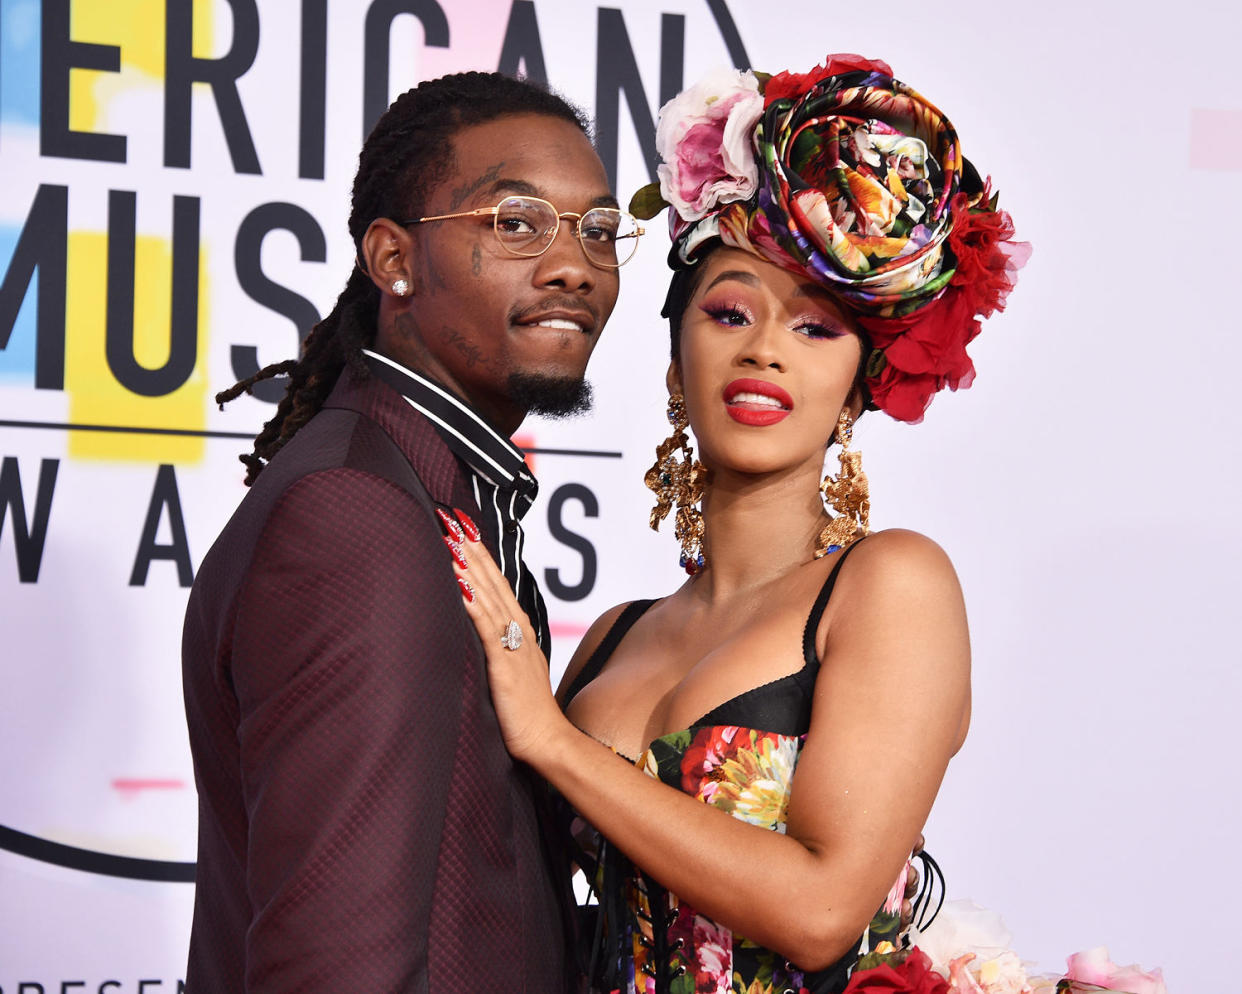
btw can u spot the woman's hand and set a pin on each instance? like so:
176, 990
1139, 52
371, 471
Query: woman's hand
518, 677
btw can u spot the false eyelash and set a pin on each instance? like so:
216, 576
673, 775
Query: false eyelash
718, 312
827, 331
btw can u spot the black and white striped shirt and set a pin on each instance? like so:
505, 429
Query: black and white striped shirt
503, 485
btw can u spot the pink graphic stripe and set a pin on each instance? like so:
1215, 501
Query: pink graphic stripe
132, 785
566, 629
1216, 139
476, 33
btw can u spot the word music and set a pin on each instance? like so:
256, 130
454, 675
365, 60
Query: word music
41, 249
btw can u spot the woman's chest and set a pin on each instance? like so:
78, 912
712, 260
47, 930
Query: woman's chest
674, 676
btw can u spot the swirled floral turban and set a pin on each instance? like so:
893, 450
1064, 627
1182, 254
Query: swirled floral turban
851, 177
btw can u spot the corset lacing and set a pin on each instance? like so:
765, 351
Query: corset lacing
615, 927
662, 968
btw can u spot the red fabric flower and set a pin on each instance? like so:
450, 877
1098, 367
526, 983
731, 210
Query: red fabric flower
794, 84
936, 337
924, 352
914, 975
902, 396
988, 258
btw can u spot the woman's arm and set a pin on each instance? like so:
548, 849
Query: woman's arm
890, 707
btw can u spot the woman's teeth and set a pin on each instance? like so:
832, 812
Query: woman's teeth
756, 398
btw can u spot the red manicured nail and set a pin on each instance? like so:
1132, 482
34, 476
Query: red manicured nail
467, 591
472, 530
455, 549
450, 526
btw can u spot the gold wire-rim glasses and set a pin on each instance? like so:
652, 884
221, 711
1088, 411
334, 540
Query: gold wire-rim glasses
539, 241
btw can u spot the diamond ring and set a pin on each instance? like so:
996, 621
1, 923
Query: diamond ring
512, 637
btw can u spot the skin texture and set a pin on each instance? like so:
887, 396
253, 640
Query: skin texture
468, 318
892, 698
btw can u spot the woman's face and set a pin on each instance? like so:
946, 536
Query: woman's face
768, 361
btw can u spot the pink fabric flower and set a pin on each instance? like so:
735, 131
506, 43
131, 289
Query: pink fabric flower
713, 945
897, 893
963, 927
1094, 967
961, 981
703, 138
1003, 974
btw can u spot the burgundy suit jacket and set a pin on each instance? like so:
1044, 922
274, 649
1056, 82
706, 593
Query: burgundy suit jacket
361, 826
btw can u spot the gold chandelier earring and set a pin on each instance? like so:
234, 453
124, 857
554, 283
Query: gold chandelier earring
848, 494
679, 482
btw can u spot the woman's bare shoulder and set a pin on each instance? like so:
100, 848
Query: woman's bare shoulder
898, 596
590, 642
899, 558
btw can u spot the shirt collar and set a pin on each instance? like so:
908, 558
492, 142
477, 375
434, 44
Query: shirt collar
464, 430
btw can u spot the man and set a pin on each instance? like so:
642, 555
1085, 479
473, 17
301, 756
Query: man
361, 826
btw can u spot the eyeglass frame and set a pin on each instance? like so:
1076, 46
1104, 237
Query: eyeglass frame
639, 230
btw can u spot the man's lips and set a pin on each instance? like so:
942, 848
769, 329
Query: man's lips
757, 402
560, 320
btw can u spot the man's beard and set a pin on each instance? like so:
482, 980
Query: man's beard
551, 396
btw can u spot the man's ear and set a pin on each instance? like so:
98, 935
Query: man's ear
672, 379
387, 254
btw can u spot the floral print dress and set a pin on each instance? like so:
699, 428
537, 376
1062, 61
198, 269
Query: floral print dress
739, 758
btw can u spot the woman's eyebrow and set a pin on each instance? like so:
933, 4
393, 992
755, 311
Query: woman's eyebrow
741, 275
813, 290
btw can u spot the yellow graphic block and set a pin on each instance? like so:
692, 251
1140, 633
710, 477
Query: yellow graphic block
137, 27
95, 397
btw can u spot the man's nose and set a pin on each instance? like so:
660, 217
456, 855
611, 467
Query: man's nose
565, 261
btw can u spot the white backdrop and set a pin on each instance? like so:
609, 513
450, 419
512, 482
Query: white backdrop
1086, 486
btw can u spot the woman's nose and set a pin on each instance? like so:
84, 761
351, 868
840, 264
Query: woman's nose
761, 348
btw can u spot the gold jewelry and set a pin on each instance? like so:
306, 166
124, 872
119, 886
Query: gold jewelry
681, 483
849, 494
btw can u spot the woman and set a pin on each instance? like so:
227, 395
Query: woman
832, 250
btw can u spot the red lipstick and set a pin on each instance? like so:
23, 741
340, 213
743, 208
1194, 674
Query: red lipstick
757, 402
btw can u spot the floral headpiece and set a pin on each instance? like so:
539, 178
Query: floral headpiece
851, 177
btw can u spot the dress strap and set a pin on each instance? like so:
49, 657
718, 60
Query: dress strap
625, 621
817, 612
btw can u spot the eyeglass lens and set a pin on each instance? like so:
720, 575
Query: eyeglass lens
527, 226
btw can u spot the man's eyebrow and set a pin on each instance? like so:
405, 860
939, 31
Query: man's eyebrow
514, 186
741, 275
525, 189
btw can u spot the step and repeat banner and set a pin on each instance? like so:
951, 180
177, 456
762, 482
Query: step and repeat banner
172, 216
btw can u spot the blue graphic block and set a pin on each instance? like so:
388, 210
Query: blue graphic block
19, 61
17, 359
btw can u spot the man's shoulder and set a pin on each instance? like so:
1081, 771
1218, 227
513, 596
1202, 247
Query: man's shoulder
338, 465
357, 430
336, 443
370, 397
